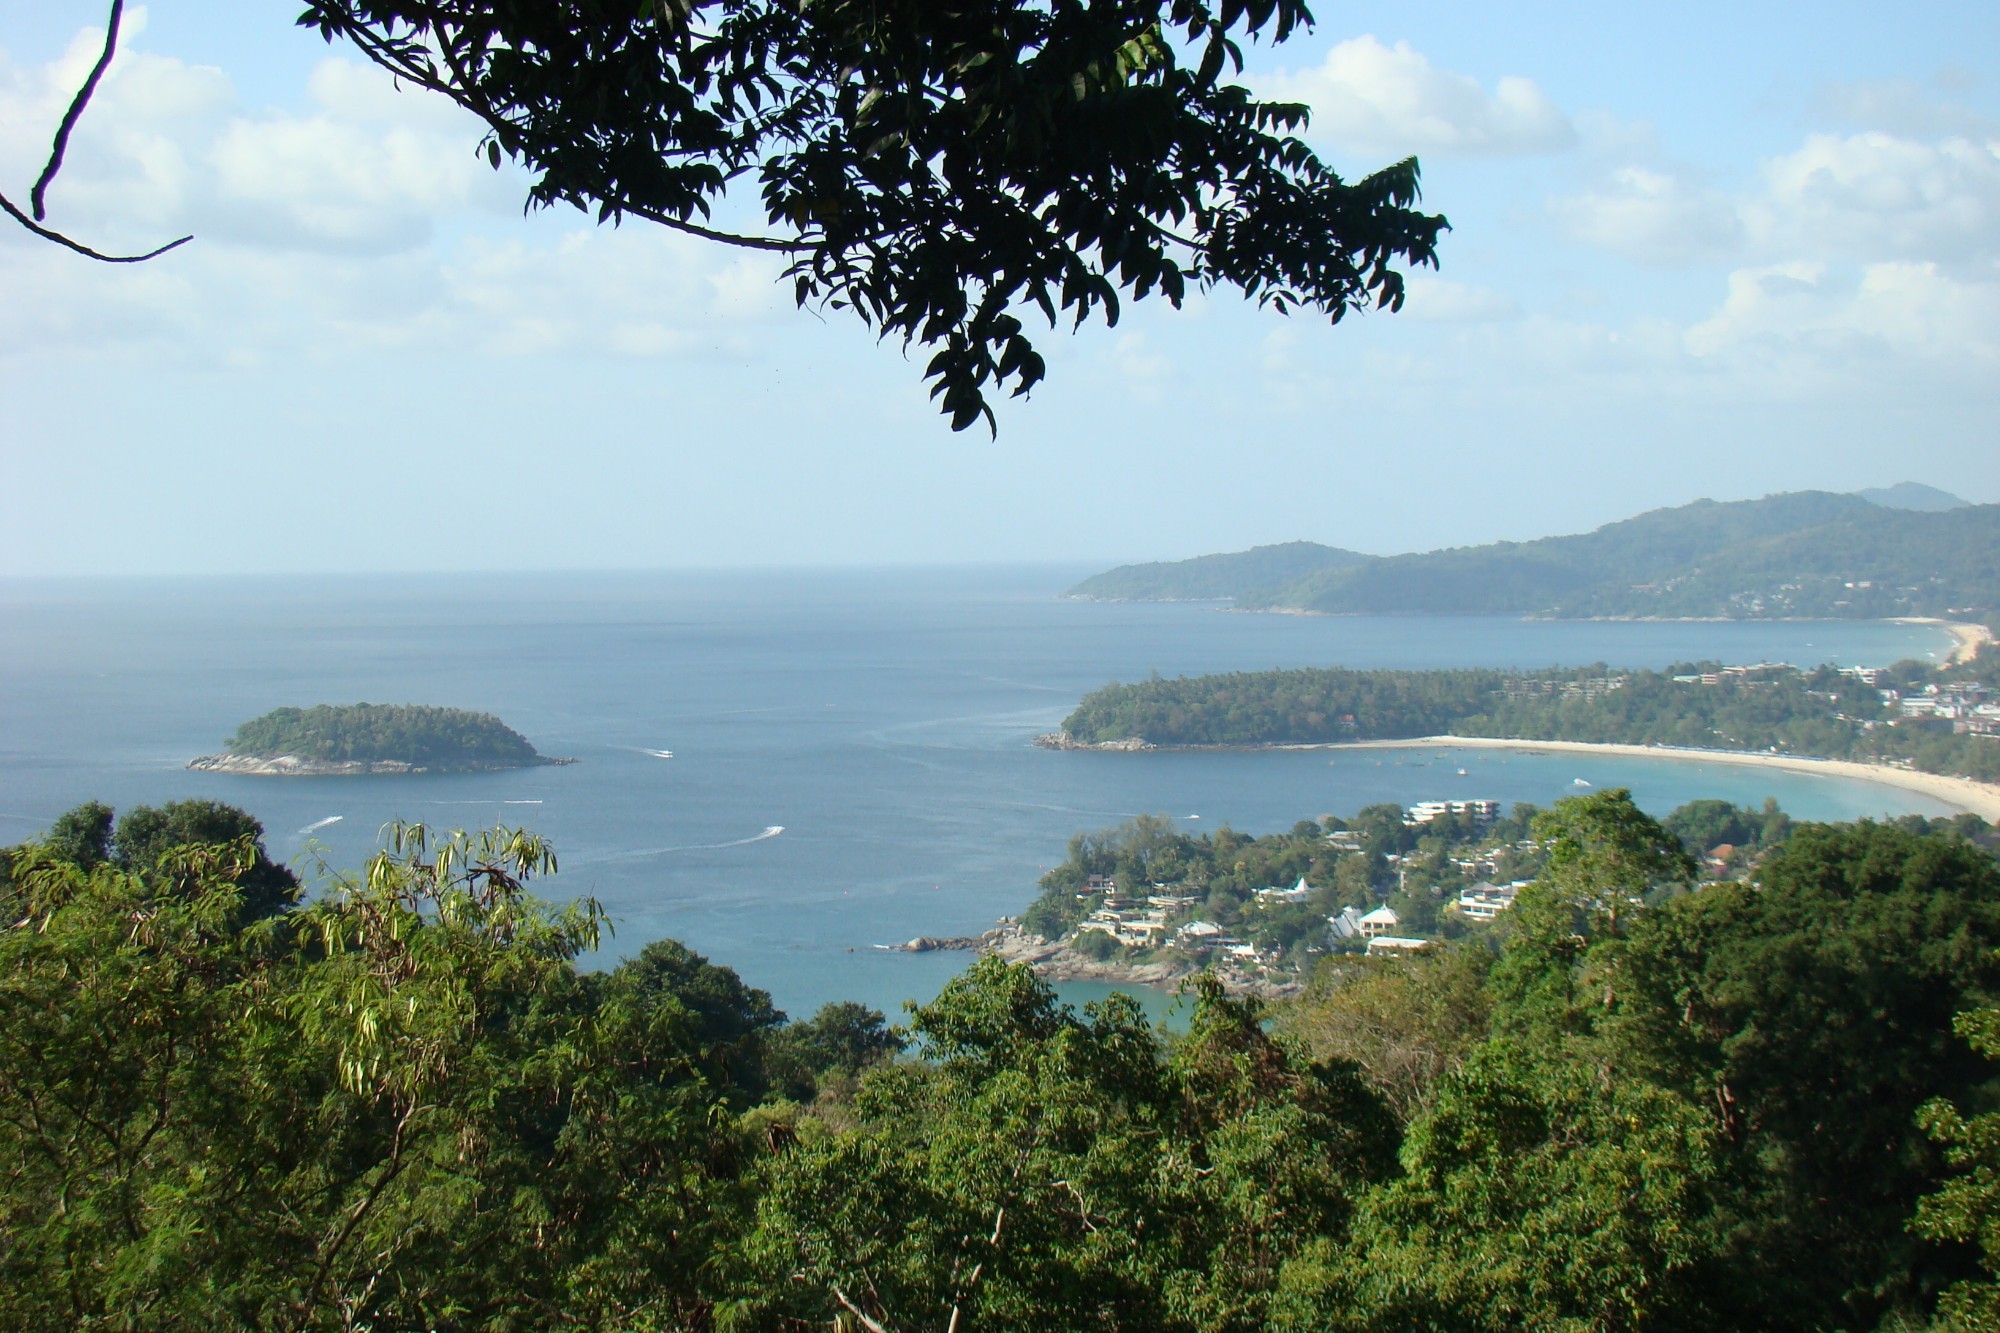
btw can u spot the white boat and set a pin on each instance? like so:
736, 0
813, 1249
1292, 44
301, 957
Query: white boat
1578, 782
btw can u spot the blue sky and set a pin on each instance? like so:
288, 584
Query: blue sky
1697, 250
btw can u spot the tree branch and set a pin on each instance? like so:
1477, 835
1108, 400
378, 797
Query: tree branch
37, 196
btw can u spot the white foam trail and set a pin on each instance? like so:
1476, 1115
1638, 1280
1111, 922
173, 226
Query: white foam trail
313, 828
770, 831
520, 802
658, 754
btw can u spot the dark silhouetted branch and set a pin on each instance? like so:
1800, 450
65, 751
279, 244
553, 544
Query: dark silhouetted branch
38, 196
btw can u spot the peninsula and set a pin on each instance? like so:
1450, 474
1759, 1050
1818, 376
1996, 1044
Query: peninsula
1888, 724
349, 740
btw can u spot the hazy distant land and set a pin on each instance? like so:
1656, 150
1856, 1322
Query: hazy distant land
1903, 551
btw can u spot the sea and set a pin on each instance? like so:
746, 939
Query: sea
787, 769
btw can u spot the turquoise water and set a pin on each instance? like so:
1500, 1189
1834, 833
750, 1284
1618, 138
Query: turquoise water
881, 720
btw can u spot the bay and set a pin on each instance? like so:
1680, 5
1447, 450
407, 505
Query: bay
851, 759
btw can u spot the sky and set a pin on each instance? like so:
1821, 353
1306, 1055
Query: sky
1698, 250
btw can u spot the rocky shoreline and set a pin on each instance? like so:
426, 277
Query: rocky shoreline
1062, 740
1056, 961
292, 766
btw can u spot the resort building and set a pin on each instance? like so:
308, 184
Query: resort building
1378, 923
1423, 812
1483, 902
1298, 893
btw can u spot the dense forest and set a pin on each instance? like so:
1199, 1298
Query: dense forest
438, 739
1823, 713
1802, 554
400, 1104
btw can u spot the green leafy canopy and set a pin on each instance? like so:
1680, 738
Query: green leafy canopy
937, 167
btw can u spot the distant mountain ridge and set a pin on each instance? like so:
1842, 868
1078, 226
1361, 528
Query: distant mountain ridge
1798, 554
1912, 495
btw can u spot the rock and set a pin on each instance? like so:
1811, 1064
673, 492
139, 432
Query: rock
1062, 740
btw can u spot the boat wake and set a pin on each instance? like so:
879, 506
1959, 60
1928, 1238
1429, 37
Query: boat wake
770, 831
315, 827
534, 802
657, 754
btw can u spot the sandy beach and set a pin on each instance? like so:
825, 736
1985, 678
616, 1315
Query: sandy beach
1968, 636
1981, 798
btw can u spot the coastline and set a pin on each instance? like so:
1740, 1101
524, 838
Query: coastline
291, 766
1968, 636
1980, 798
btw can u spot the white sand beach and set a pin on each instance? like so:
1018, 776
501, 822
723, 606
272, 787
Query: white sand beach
1981, 798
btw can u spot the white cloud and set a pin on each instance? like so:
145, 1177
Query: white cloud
1431, 298
1390, 101
1876, 195
1811, 321
352, 225
1652, 216
1901, 106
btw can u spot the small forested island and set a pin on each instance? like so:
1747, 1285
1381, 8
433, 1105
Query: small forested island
1935, 719
340, 740
1901, 551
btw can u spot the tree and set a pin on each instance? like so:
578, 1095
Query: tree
145, 834
1048, 1170
1810, 1014
1967, 1206
82, 836
1537, 1194
938, 167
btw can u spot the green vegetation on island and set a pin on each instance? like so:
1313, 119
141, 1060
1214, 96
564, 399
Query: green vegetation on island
399, 1103
410, 736
1802, 554
1938, 719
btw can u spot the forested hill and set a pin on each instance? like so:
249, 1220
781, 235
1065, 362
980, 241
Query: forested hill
1929, 717
1215, 577
1804, 553
432, 739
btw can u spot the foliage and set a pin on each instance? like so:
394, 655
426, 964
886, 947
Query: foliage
399, 1106
1534, 1194
1043, 1170
442, 739
940, 169
1967, 1206
145, 839
1408, 1023
402, 1106
1806, 553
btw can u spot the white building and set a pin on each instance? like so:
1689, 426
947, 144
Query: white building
1378, 922
1298, 893
1483, 902
1423, 812
1345, 924
1395, 946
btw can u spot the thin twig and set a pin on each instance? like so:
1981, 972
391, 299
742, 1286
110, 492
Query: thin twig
36, 197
